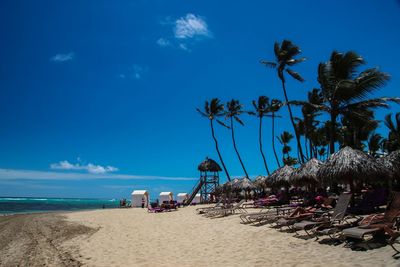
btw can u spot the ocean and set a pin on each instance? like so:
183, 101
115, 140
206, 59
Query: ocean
12, 205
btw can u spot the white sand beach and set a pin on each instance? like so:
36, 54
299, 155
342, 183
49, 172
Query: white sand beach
133, 237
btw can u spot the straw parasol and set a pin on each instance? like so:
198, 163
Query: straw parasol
246, 184
392, 163
260, 182
235, 184
348, 165
281, 176
306, 174
209, 165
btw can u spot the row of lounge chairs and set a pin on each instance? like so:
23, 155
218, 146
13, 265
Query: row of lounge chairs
336, 224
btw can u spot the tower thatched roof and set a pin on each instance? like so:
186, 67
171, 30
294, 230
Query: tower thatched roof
307, 173
350, 164
392, 163
209, 165
281, 176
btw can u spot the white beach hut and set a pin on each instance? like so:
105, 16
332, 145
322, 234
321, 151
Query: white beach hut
165, 196
196, 199
180, 197
139, 197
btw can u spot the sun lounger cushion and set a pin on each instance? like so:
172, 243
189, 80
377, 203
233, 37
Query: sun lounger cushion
359, 232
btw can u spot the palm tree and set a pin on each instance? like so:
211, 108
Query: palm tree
392, 143
233, 111
374, 144
274, 106
346, 92
285, 139
260, 107
213, 110
284, 57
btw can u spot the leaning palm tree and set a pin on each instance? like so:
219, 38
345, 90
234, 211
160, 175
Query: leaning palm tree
261, 111
346, 92
233, 111
213, 110
285, 54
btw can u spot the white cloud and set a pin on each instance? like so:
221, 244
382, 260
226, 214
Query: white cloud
91, 168
63, 57
18, 174
163, 42
191, 26
184, 47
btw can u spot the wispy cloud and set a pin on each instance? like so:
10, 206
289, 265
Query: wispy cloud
134, 72
186, 31
163, 42
63, 57
91, 168
20, 174
191, 26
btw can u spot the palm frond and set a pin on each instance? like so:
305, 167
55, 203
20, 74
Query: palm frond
238, 120
295, 75
269, 64
223, 124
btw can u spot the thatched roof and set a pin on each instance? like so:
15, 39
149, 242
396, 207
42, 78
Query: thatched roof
281, 176
392, 162
348, 164
260, 181
307, 173
235, 183
209, 165
246, 184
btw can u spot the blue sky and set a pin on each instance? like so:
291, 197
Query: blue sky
98, 98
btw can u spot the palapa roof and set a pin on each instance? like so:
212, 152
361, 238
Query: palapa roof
260, 181
307, 173
246, 184
280, 176
348, 163
392, 162
209, 165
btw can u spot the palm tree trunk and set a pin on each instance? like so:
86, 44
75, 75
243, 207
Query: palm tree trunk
332, 137
217, 148
273, 139
299, 148
236, 150
261, 147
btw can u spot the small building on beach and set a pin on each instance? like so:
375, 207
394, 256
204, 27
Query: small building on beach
181, 197
165, 196
140, 198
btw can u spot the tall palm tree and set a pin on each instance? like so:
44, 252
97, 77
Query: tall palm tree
274, 106
285, 54
374, 144
213, 110
285, 139
392, 143
233, 111
261, 111
346, 92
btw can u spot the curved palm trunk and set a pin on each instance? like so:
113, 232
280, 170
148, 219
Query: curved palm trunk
299, 148
273, 139
217, 148
261, 147
236, 150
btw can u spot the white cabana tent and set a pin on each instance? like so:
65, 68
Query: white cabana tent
196, 199
139, 197
180, 197
165, 196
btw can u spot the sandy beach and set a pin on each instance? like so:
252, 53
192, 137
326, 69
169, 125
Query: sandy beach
133, 237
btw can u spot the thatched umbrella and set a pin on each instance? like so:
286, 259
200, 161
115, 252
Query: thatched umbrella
260, 182
281, 176
306, 174
246, 184
235, 183
209, 165
348, 165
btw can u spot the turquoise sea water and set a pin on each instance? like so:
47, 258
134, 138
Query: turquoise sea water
11, 205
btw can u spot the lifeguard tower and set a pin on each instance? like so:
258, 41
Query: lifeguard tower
209, 180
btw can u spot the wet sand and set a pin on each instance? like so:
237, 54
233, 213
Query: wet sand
37, 240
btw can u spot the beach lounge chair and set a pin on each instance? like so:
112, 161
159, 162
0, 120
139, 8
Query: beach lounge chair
390, 218
265, 213
218, 205
338, 215
226, 211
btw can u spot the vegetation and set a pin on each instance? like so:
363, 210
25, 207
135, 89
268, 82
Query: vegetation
340, 113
